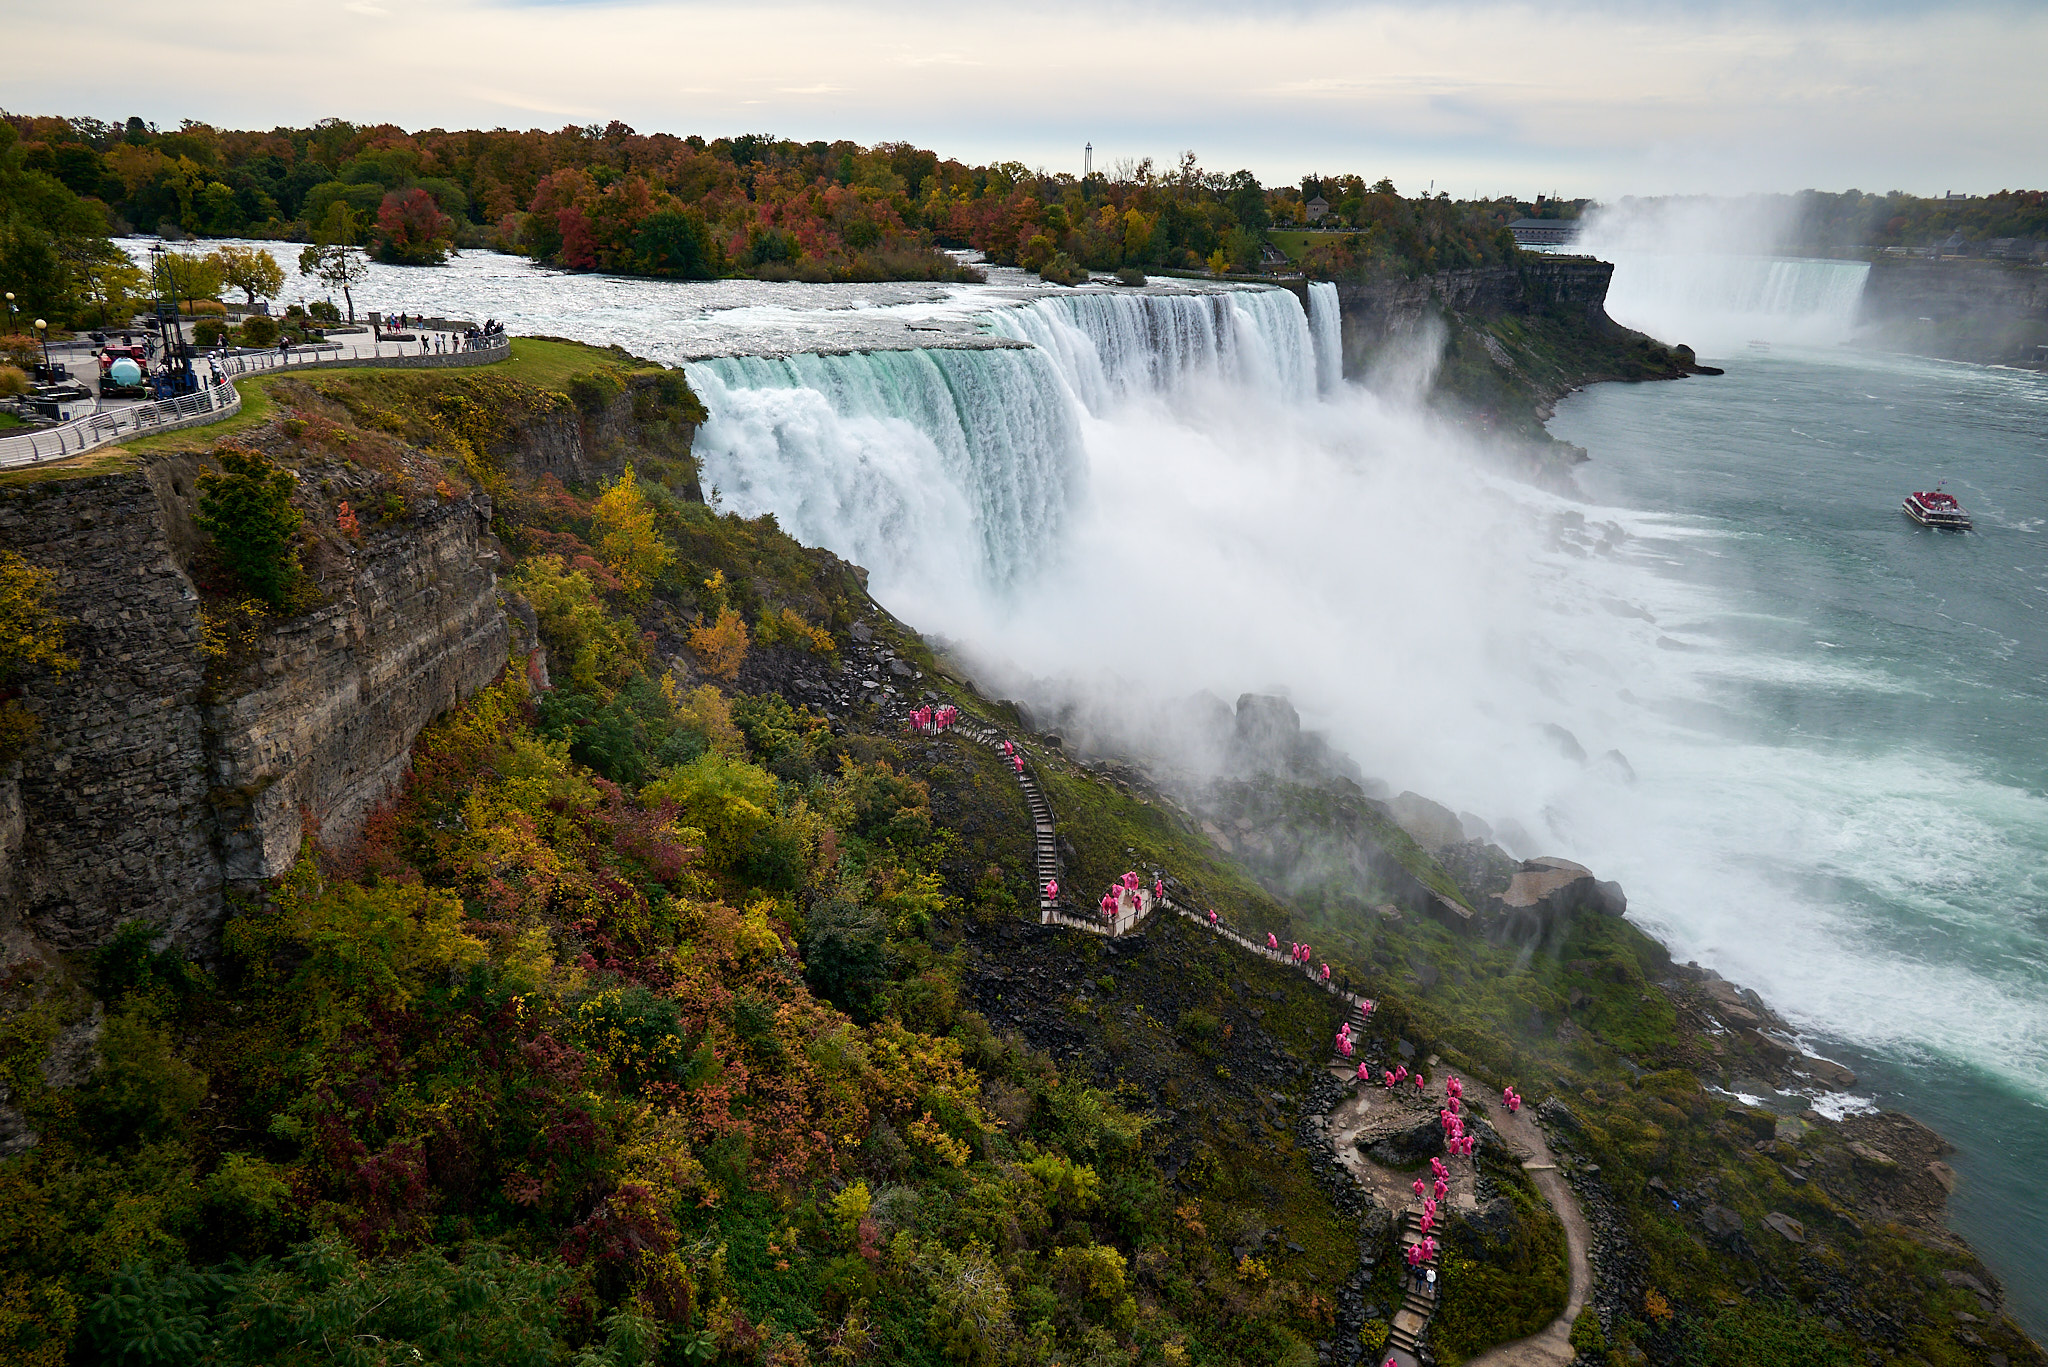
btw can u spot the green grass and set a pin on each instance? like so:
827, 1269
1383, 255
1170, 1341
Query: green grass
542, 362
1297, 243
8, 420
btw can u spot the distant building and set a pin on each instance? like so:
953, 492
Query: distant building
1544, 232
1316, 208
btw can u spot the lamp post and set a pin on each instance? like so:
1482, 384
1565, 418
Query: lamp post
10, 310
43, 328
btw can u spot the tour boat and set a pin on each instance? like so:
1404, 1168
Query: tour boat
1937, 509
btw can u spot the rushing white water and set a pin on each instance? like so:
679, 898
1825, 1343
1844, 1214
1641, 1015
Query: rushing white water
1325, 324
952, 475
1114, 348
949, 469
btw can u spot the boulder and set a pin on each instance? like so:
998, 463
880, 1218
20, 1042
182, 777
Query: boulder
1266, 725
1402, 1139
1786, 1227
1544, 893
1431, 825
1827, 1072
1721, 1221
1876, 1158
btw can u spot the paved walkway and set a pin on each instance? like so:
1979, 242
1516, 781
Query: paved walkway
1391, 1190
212, 403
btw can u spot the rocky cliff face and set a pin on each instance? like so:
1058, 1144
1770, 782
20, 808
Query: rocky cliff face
1990, 312
164, 777
147, 796
1381, 313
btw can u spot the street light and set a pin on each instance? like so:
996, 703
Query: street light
10, 310
44, 328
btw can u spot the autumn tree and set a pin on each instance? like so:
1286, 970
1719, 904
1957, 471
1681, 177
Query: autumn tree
628, 542
31, 637
412, 231
251, 270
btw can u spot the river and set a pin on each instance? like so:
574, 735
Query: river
1855, 739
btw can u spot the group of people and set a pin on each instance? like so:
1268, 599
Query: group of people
1456, 1141
1400, 1075
483, 336
1128, 893
932, 720
1511, 1099
1345, 1044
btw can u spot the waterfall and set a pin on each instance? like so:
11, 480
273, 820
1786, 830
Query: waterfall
1717, 303
1114, 347
1325, 324
949, 471
938, 467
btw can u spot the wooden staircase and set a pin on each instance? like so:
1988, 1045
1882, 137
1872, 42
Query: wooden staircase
1412, 1317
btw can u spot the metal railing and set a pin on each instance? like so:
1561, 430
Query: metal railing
481, 352
216, 402
102, 429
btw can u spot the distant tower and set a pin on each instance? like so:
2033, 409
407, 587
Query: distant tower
1088, 161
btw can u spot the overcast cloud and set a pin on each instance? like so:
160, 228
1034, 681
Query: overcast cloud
1480, 98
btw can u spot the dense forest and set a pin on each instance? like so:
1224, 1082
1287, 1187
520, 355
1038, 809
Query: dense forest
611, 199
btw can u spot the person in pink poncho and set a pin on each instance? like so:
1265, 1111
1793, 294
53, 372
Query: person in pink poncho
1272, 942
1364, 1071
1401, 1074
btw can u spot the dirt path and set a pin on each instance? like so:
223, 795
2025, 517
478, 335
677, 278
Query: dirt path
1551, 1346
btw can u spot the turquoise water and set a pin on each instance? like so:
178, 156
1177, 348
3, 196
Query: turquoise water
1887, 688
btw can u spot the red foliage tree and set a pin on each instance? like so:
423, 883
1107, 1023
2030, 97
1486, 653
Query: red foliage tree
412, 230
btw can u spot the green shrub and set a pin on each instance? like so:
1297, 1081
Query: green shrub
323, 311
1586, 1335
247, 509
1130, 275
208, 331
1062, 269
259, 330
594, 389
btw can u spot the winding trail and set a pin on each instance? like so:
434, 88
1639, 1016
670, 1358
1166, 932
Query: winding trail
1549, 1347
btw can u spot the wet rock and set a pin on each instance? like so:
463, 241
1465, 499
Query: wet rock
1876, 1158
1430, 824
1567, 744
1827, 1072
1786, 1227
1721, 1221
1545, 893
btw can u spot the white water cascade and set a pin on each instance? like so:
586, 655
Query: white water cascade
938, 467
1325, 324
950, 473
1113, 348
1718, 304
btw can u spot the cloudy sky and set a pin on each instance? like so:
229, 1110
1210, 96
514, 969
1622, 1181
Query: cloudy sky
1596, 98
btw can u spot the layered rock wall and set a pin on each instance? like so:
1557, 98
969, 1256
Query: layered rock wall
146, 797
